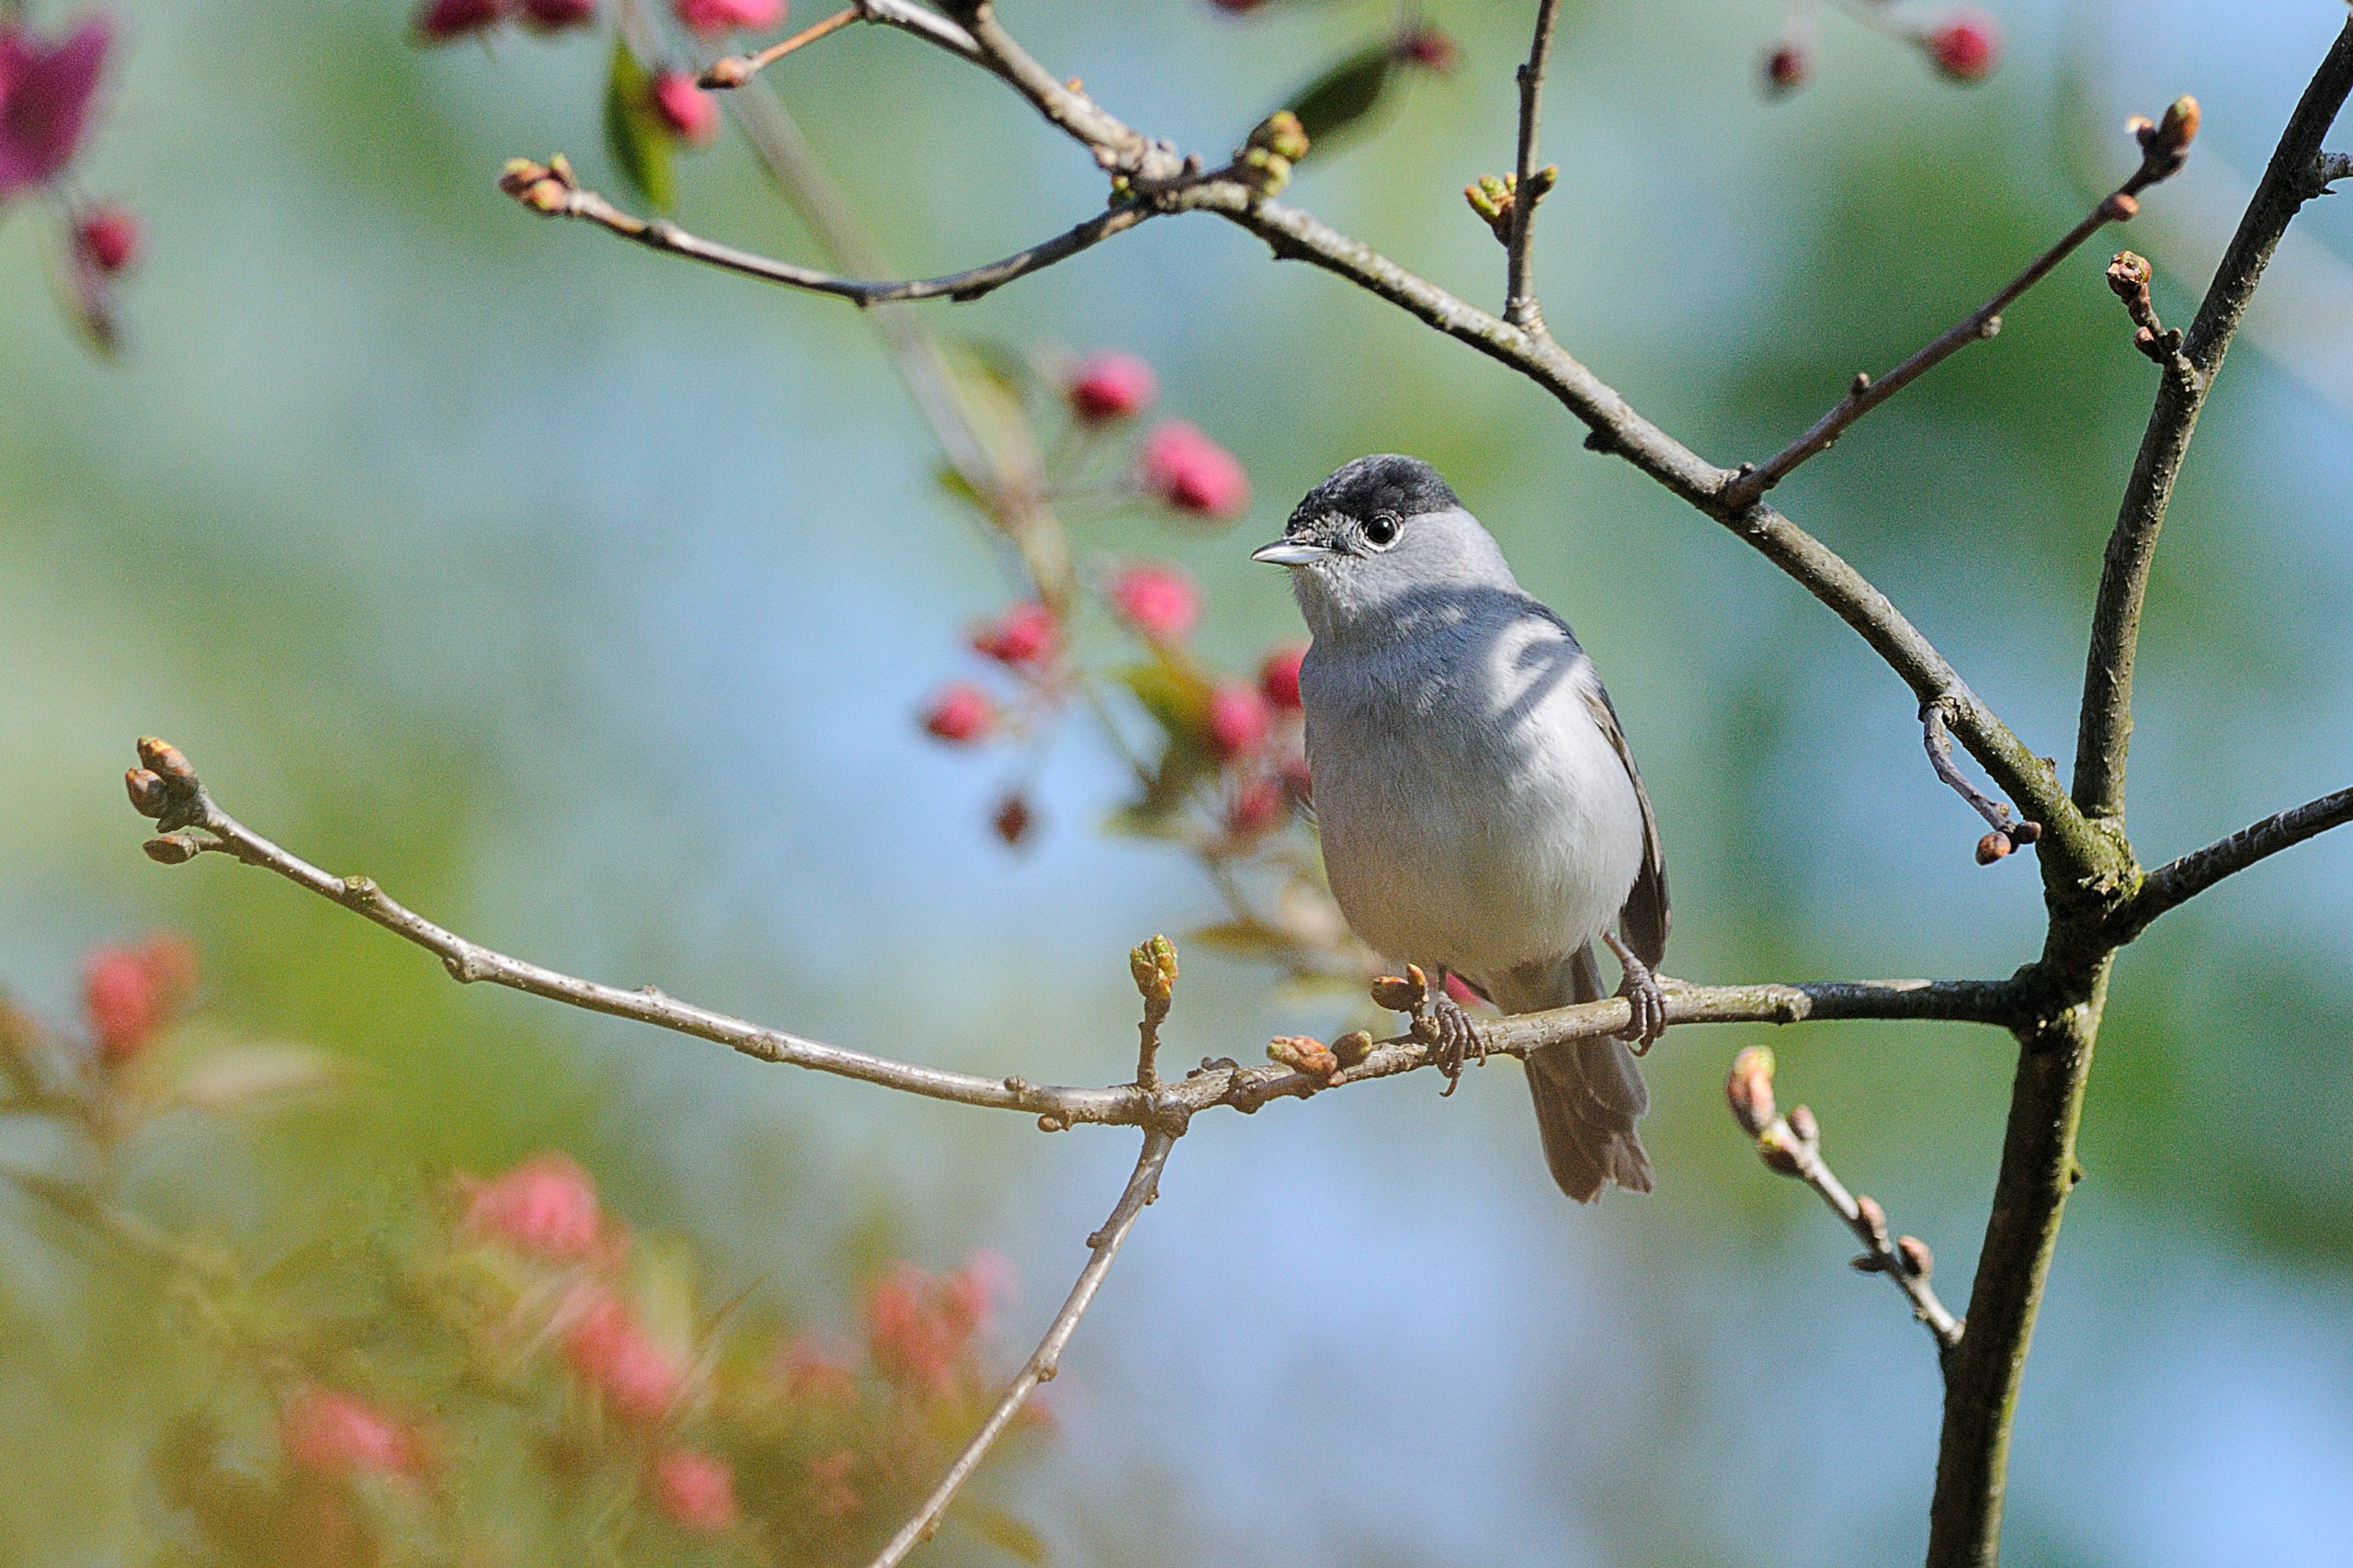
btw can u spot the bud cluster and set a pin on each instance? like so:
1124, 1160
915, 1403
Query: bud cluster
1961, 43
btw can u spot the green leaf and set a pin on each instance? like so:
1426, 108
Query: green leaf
951, 479
1176, 698
1005, 1531
1341, 98
637, 139
1241, 938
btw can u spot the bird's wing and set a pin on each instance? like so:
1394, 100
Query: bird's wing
1645, 917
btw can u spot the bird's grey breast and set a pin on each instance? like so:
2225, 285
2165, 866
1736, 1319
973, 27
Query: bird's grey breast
1474, 814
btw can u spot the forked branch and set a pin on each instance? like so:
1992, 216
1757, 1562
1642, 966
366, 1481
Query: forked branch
1143, 1187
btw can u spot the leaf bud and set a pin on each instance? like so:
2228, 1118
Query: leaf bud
1303, 1053
1750, 1089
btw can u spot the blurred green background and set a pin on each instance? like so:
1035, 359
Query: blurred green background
583, 599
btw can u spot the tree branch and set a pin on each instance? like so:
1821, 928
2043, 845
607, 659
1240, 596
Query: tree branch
1791, 1146
2162, 150
1520, 307
2178, 882
192, 825
2105, 729
552, 190
1046, 1360
2006, 834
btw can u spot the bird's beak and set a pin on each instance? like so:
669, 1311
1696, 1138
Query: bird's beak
1289, 552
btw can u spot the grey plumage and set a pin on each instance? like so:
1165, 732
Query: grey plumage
1480, 809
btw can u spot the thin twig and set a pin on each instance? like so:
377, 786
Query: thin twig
2327, 170
2160, 158
2104, 730
1934, 736
194, 824
1791, 1146
2178, 882
2128, 279
1046, 1360
551, 189
734, 69
1520, 306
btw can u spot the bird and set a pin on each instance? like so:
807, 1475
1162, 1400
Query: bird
1479, 807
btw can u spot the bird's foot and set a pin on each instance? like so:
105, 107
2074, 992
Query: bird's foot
1440, 1021
1643, 995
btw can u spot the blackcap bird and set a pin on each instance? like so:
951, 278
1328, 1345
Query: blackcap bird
1480, 809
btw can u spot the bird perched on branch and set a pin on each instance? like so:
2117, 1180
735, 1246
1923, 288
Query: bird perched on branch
1480, 809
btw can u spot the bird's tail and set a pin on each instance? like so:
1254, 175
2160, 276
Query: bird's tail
1588, 1093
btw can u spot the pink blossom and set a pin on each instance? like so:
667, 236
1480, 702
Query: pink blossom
438, 22
1257, 808
1159, 602
554, 15
1460, 989
340, 1434
1967, 45
687, 109
1111, 386
961, 714
1238, 720
106, 238
613, 1354
1279, 676
1428, 48
546, 1208
1025, 634
710, 18
916, 1328
1192, 473
1786, 68
128, 993
45, 92
696, 1491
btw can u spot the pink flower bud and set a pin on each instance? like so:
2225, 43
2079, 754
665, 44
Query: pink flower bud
1428, 48
1279, 676
438, 22
45, 92
1111, 386
1025, 634
1460, 989
711, 19
1238, 720
961, 714
1186, 470
106, 238
130, 993
1159, 602
554, 15
1749, 1089
611, 1352
339, 1436
695, 1491
1787, 68
1257, 809
1967, 45
545, 1207
687, 109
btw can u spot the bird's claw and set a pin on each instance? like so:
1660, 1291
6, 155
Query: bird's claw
1441, 1024
1645, 1000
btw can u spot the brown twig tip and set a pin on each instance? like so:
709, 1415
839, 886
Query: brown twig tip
738, 69
2006, 834
2128, 277
1304, 1053
1406, 993
2165, 143
546, 189
1918, 1261
1750, 1089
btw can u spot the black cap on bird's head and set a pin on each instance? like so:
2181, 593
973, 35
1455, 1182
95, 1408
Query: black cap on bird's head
1363, 503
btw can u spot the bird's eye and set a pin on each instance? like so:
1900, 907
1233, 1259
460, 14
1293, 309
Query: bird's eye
1380, 530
